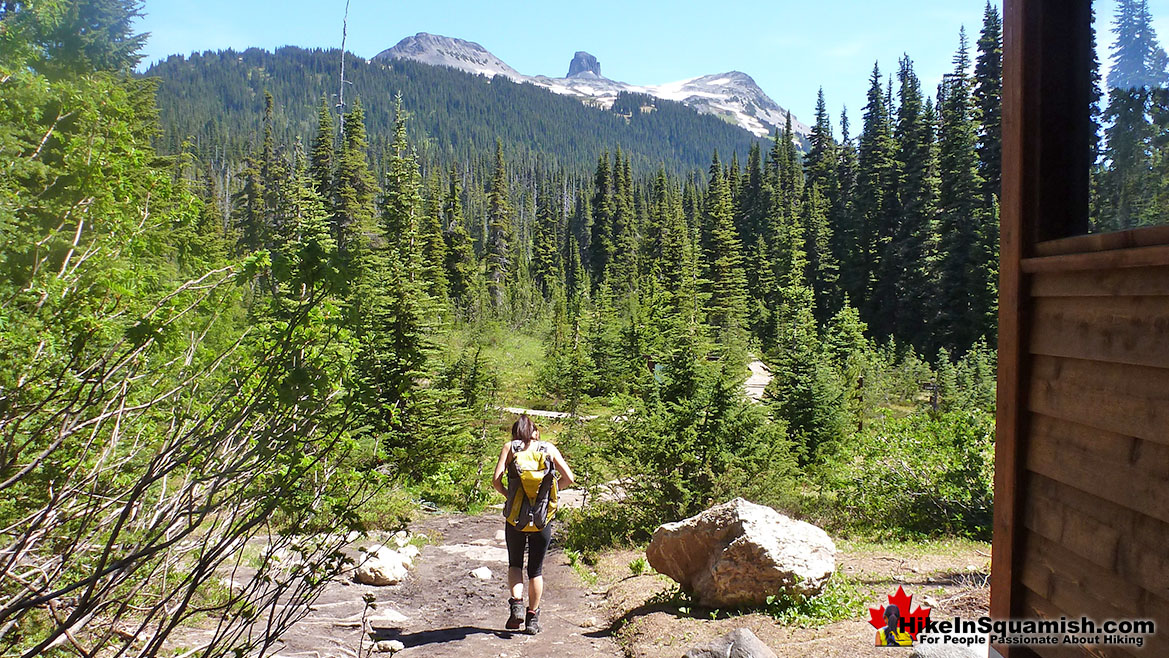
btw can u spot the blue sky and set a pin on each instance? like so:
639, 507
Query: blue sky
790, 48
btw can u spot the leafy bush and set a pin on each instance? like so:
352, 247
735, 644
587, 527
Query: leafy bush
924, 474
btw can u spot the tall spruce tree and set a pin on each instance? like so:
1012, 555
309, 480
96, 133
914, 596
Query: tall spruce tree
967, 278
727, 307
988, 92
875, 197
460, 253
355, 212
499, 233
322, 155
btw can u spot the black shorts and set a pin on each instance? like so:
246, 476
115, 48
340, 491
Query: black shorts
537, 543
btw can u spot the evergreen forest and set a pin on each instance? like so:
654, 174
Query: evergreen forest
232, 310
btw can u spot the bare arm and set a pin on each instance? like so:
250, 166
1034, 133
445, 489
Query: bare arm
567, 479
500, 467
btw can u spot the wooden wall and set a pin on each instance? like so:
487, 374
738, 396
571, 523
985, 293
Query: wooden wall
1082, 438
1094, 499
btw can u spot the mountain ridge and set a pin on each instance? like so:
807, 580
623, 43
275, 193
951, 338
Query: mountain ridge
733, 96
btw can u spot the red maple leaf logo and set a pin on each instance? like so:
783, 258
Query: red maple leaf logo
911, 622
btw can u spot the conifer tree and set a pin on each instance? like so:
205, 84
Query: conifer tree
968, 276
910, 256
601, 238
321, 158
623, 272
546, 266
988, 92
846, 234
499, 235
820, 164
433, 247
875, 196
727, 307
460, 253
354, 216
402, 208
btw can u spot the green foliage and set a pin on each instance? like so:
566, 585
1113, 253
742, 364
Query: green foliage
639, 566
842, 598
923, 474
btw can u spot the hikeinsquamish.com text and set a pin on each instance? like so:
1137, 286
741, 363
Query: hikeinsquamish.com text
1019, 632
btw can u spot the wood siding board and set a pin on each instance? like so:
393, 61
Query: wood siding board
1145, 281
1077, 587
1127, 330
1141, 555
1145, 458
1137, 237
1152, 256
1125, 399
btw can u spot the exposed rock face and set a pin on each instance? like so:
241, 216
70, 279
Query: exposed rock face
583, 63
739, 553
739, 643
382, 566
438, 50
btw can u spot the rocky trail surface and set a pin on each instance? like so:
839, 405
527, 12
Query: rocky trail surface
442, 610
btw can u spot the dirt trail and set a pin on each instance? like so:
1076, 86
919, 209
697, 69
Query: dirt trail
441, 610
757, 383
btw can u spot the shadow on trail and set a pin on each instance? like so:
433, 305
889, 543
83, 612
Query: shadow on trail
435, 636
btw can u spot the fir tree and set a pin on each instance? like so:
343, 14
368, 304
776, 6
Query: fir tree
875, 199
988, 92
460, 253
498, 252
968, 276
727, 307
321, 157
354, 216
909, 254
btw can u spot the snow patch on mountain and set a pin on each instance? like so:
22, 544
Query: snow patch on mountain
732, 96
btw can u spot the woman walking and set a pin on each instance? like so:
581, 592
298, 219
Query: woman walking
533, 468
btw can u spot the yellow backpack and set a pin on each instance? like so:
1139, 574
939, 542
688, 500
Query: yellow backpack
531, 487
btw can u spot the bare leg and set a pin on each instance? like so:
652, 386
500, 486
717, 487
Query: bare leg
515, 582
535, 591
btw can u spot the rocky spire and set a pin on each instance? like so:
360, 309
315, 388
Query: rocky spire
584, 64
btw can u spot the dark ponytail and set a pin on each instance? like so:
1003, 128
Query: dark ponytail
523, 429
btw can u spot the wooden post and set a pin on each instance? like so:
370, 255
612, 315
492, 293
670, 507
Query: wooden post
1046, 128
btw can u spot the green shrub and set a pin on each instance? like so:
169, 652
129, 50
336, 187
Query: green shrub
924, 474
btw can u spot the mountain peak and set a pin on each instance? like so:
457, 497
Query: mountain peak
584, 64
437, 50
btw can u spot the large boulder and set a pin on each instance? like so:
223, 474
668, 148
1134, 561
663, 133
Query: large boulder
382, 566
739, 643
739, 553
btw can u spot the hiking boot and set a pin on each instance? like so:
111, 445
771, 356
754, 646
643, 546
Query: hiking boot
517, 615
532, 622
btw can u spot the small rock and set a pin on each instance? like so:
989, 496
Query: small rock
409, 550
589, 622
482, 573
382, 566
482, 542
389, 646
500, 535
739, 643
401, 538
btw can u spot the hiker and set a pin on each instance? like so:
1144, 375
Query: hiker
891, 634
533, 468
